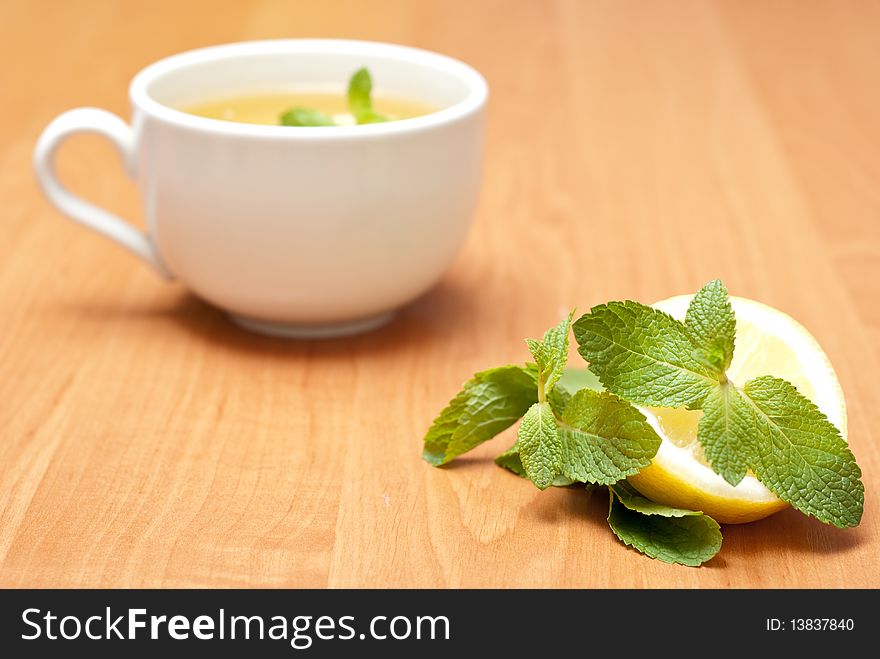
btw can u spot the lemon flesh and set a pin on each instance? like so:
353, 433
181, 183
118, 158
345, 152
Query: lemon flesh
768, 342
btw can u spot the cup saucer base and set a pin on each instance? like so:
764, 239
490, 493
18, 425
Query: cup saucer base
331, 331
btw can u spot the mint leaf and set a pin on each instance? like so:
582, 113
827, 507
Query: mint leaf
800, 455
556, 350
371, 118
539, 354
360, 102
488, 403
671, 535
788, 443
306, 117
643, 355
558, 399
551, 354
711, 324
636, 501
604, 439
510, 461
360, 87
540, 449
724, 432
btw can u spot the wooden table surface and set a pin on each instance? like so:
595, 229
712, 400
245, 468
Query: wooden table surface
635, 149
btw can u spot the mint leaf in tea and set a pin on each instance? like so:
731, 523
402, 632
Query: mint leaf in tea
306, 117
356, 105
360, 99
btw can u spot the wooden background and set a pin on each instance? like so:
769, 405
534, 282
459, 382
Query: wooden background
636, 149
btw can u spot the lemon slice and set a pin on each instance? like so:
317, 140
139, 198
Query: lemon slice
768, 342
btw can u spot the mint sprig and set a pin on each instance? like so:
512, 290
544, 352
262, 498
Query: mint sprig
573, 432
588, 437
767, 425
360, 105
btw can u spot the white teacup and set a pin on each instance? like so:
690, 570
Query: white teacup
300, 232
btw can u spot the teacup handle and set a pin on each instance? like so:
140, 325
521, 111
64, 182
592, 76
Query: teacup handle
107, 124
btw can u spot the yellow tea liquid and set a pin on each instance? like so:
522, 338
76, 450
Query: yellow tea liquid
268, 108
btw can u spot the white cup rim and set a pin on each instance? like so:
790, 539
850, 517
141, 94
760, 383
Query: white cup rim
474, 101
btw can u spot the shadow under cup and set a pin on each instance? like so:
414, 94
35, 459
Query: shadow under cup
301, 231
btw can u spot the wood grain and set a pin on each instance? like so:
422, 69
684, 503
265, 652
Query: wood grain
636, 149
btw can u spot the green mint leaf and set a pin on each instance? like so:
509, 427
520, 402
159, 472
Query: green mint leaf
540, 449
724, 432
489, 403
800, 455
360, 102
604, 439
712, 325
510, 461
636, 501
668, 534
360, 88
372, 118
539, 354
643, 355
551, 353
306, 117
556, 348
558, 399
